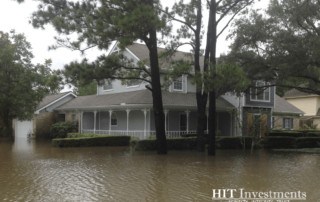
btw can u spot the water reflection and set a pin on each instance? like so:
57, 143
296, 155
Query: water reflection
36, 171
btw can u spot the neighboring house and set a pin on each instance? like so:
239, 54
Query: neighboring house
285, 115
43, 117
309, 104
126, 109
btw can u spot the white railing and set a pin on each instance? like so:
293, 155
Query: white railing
140, 134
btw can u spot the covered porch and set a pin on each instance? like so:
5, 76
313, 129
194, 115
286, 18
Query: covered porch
139, 123
130, 113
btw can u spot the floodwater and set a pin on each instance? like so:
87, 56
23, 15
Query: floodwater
36, 171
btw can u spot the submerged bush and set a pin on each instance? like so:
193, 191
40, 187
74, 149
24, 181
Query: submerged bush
92, 141
61, 129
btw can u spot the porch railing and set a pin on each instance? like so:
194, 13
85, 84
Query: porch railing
140, 134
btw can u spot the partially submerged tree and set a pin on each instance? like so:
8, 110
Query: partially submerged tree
99, 22
191, 32
281, 44
22, 84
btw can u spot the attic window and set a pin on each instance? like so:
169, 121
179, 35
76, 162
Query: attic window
259, 92
107, 85
133, 83
178, 84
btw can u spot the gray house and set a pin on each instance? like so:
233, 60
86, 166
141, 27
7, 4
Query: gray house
126, 109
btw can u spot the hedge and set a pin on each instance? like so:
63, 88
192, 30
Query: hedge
92, 141
188, 143
279, 142
299, 133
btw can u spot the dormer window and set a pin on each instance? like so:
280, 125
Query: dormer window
260, 92
107, 85
178, 84
133, 83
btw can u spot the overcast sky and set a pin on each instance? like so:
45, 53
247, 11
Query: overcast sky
16, 16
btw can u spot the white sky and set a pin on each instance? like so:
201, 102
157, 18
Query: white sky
16, 16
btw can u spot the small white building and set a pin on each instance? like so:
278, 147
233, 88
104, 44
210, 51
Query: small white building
43, 117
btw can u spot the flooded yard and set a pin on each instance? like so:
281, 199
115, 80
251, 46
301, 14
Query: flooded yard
36, 171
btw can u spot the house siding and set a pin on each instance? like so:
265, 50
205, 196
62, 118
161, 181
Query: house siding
309, 105
251, 103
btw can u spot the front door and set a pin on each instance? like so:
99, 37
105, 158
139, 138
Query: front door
183, 122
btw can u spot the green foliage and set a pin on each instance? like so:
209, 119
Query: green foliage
227, 78
22, 84
281, 44
79, 135
92, 141
61, 129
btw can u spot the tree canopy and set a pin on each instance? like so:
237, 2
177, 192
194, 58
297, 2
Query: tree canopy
281, 44
22, 84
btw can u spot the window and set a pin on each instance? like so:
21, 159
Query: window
287, 123
260, 93
133, 82
178, 84
114, 120
183, 122
107, 85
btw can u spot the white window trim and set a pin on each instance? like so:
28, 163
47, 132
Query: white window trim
264, 100
182, 85
134, 86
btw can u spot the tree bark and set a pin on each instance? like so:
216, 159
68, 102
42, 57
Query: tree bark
201, 95
212, 31
156, 93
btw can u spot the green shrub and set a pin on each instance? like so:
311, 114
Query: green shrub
92, 141
78, 135
308, 142
61, 129
234, 142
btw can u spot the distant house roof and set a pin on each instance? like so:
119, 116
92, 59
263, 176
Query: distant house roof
137, 99
281, 106
296, 93
52, 99
141, 51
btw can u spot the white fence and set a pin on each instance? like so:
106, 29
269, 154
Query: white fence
140, 134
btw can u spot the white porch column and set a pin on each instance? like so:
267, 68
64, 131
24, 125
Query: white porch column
187, 114
81, 122
110, 114
128, 112
165, 120
94, 121
145, 123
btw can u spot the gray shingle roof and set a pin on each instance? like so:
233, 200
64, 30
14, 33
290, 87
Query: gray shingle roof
138, 99
284, 107
49, 99
142, 52
296, 93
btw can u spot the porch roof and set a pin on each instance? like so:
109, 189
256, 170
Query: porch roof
137, 99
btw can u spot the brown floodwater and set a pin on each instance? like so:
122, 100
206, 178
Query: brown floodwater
36, 171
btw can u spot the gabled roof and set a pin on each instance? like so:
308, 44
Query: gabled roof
281, 106
142, 53
137, 99
52, 99
296, 93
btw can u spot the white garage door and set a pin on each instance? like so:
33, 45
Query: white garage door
23, 128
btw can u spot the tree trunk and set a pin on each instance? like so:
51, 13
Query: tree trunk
157, 94
201, 96
212, 30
